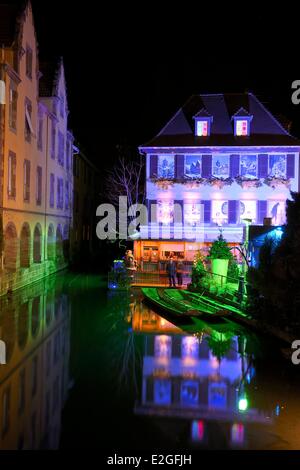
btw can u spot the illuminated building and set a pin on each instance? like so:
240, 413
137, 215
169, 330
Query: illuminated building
36, 152
221, 159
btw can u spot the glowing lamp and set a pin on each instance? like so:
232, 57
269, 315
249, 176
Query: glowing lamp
243, 404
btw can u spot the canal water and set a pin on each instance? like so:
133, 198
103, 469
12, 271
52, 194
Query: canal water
88, 368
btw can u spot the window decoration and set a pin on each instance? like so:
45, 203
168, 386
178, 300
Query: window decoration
189, 347
193, 165
249, 166
217, 395
162, 392
165, 212
277, 166
166, 166
275, 182
192, 213
276, 210
189, 392
220, 166
248, 183
219, 215
203, 121
202, 128
162, 346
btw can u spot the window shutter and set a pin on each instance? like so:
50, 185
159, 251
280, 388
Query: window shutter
234, 165
263, 165
290, 165
179, 166
207, 211
149, 346
206, 166
232, 211
13, 169
176, 346
152, 217
204, 350
261, 211
153, 166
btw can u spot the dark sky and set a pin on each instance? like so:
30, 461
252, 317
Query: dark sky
130, 68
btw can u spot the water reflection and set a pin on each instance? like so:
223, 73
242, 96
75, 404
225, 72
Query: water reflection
35, 328
195, 377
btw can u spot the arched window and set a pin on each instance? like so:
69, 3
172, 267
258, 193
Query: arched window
25, 247
37, 244
51, 243
59, 244
10, 248
66, 243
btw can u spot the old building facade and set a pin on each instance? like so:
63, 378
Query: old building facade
223, 159
36, 157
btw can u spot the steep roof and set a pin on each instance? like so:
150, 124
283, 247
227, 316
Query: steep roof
265, 128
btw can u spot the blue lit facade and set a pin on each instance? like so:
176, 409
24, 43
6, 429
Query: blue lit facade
240, 164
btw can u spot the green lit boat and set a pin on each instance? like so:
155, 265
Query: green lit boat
175, 302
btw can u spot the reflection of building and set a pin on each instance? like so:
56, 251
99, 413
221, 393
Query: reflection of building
36, 153
183, 380
221, 159
35, 326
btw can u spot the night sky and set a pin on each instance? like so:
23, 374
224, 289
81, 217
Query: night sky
130, 68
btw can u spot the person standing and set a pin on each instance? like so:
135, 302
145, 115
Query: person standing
179, 271
171, 270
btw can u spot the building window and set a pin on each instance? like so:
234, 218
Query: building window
219, 212
67, 196
40, 133
249, 166
248, 210
52, 183
220, 166
13, 107
192, 214
53, 140
22, 389
26, 180
165, 212
61, 148
202, 128
29, 61
60, 193
166, 167
193, 165
39, 176
276, 211
28, 121
277, 166
12, 165
241, 127
5, 410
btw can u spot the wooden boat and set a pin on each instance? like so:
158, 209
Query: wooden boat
172, 301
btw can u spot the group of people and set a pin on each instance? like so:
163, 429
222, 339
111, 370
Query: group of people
174, 270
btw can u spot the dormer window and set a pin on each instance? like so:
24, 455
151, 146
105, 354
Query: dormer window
241, 127
242, 120
202, 129
203, 122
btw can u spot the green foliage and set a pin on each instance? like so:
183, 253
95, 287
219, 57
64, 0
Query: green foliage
198, 270
233, 270
219, 347
220, 249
